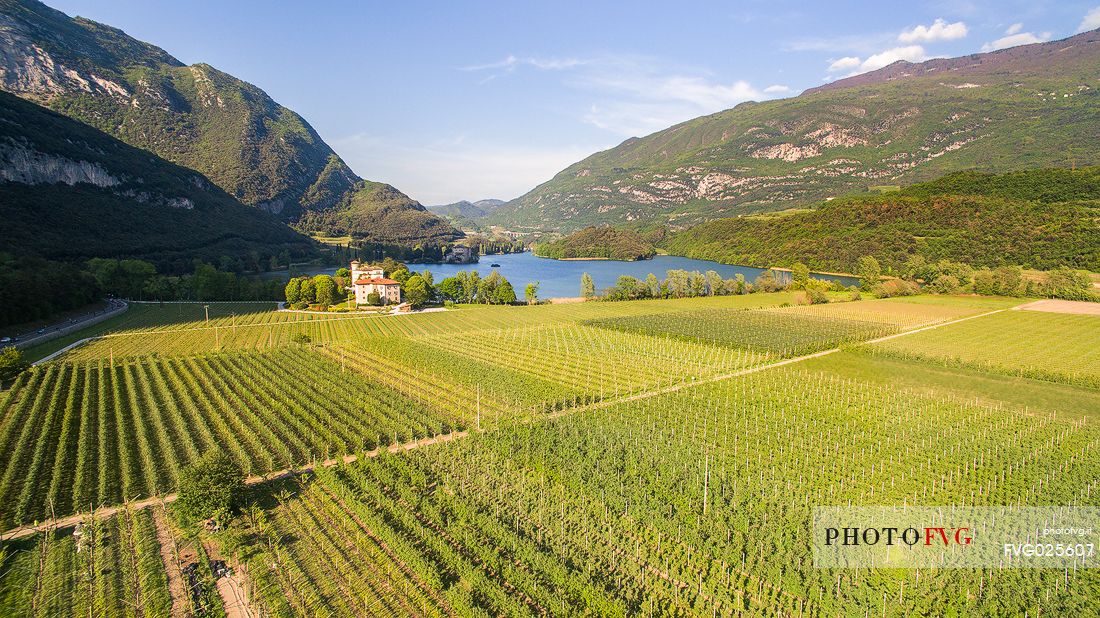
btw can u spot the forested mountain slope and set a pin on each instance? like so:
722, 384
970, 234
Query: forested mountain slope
258, 151
1014, 109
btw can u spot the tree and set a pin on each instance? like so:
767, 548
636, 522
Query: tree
739, 285
325, 290
800, 275
417, 292
588, 287
714, 283
487, 288
343, 273
374, 299
817, 291
628, 288
869, 272
677, 282
767, 282
945, 284
451, 289
211, 487
471, 285
531, 293
401, 275
983, 282
309, 292
504, 295
653, 285
12, 363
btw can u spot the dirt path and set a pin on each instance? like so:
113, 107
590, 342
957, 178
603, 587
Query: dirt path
1078, 307
72, 520
168, 553
231, 588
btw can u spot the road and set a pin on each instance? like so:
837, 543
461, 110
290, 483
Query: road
52, 331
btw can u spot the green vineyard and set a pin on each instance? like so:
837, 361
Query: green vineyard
634, 458
77, 435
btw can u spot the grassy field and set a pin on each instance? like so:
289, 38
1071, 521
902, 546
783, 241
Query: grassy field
1045, 346
634, 458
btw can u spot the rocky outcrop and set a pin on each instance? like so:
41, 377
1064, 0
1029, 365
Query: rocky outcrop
18, 163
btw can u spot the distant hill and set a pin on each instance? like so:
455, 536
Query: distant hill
597, 242
1016, 109
258, 151
71, 192
1040, 219
376, 212
467, 214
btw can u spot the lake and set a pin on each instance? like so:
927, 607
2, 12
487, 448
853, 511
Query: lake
562, 278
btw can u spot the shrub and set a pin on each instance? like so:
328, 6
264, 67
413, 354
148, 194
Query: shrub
895, 287
869, 272
12, 363
945, 284
853, 293
211, 487
983, 282
374, 299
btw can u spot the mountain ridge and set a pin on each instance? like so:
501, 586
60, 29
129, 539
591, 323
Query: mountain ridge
69, 191
258, 151
1022, 113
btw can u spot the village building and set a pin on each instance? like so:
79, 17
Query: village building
461, 254
366, 280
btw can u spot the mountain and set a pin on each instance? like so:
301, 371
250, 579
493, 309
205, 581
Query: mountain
1038, 219
258, 151
1014, 109
376, 212
69, 192
467, 214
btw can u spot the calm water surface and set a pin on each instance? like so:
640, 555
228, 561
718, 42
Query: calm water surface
558, 278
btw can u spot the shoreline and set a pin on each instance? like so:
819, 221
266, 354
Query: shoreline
812, 272
588, 259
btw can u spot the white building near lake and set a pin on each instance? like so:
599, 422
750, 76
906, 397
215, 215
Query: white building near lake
366, 280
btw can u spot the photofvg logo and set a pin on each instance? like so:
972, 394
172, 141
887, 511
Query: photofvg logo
928, 535
956, 537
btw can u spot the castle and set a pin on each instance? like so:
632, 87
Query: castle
367, 279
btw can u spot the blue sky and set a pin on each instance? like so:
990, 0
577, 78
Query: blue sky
468, 100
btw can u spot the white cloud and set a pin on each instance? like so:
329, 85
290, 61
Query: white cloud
1013, 40
510, 63
912, 53
1091, 20
637, 95
844, 64
940, 30
452, 169
632, 100
1014, 28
